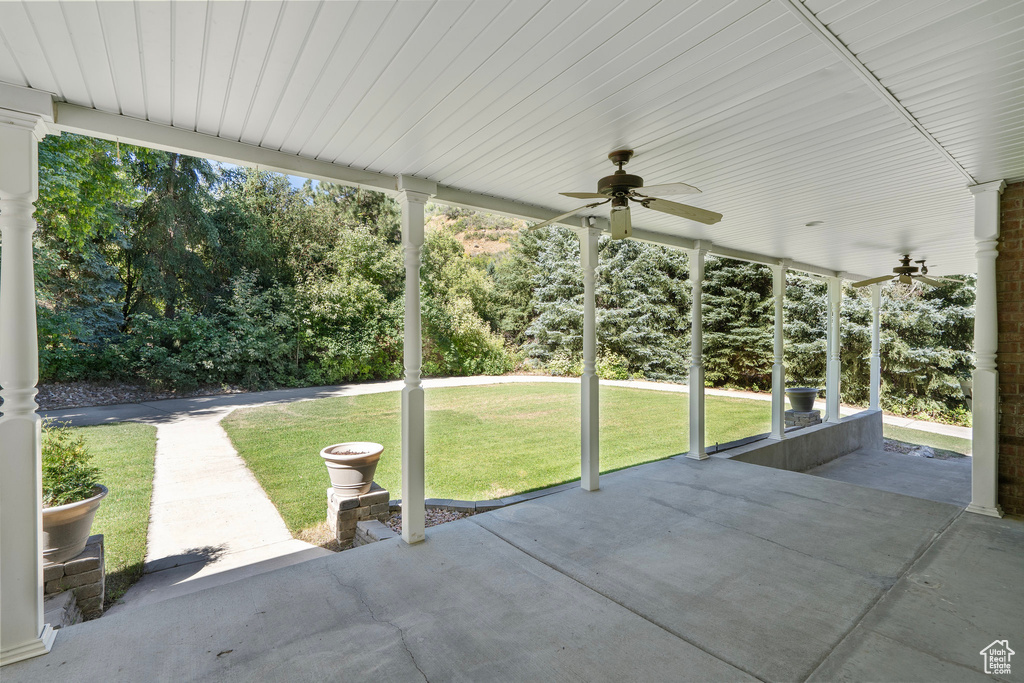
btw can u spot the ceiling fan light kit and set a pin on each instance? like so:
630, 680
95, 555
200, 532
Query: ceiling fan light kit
620, 188
621, 223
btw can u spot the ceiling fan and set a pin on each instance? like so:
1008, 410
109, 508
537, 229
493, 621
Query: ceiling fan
908, 275
620, 188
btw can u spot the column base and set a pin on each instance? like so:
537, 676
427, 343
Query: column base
996, 511
37, 647
697, 456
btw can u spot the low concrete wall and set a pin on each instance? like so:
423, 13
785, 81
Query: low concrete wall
812, 446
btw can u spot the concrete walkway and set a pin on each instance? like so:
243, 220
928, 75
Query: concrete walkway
157, 411
673, 571
210, 521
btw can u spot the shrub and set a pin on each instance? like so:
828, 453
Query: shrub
67, 475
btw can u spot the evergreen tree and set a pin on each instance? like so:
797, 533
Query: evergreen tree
738, 323
643, 298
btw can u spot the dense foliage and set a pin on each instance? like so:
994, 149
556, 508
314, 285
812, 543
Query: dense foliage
179, 272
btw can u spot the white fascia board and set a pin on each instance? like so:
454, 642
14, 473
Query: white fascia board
83, 120
74, 119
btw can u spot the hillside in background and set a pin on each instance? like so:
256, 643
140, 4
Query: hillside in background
479, 233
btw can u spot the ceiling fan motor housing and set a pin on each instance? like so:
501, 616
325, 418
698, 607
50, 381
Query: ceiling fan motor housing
619, 183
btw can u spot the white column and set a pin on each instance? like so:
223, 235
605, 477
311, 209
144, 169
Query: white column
832, 370
876, 346
22, 631
590, 461
412, 198
779, 366
985, 387
696, 389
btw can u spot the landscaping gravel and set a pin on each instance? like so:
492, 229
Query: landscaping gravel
433, 518
60, 395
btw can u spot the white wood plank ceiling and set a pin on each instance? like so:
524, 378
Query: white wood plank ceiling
521, 100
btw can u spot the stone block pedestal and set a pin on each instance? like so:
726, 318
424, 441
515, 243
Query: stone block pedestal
84, 575
343, 514
802, 418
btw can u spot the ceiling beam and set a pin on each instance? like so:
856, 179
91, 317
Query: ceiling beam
85, 121
811, 21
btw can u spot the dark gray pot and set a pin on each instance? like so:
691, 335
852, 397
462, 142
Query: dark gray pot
802, 398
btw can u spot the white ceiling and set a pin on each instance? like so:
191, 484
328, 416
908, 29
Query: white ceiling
524, 99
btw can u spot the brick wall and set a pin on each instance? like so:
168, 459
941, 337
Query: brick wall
1010, 283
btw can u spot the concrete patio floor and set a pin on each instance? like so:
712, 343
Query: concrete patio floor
945, 481
677, 570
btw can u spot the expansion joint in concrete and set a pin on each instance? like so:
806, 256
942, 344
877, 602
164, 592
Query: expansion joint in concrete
643, 616
909, 567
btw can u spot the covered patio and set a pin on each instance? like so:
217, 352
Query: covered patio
833, 136
676, 570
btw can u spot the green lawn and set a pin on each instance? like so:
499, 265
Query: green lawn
482, 442
124, 453
954, 445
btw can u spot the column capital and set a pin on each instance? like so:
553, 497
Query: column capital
994, 186
26, 108
703, 246
414, 189
588, 227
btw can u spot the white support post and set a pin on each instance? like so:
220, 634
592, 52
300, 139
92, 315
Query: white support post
876, 346
696, 382
985, 387
590, 461
413, 195
833, 369
22, 631
779, 366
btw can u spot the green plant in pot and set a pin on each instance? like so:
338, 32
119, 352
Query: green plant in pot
71, 493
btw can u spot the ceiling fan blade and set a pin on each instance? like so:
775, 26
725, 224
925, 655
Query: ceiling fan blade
583, 195
682, 210
872, 281
564, 215
906, 279
668, 190
928, 281
948, 279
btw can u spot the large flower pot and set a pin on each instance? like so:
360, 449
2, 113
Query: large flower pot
351, 466
66, 527
802, 398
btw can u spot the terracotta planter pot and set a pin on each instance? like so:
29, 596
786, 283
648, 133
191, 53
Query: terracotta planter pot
351, 466
66, 527
802, 398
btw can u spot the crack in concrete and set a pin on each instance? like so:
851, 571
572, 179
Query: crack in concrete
379, 620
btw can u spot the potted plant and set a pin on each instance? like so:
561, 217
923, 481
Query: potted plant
351, 466
71, 494
802, 398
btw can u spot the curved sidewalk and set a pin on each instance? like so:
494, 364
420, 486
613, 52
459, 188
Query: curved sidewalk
210, 521
156, 412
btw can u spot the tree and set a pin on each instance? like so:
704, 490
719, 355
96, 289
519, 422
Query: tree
739, 313
83, 196
170, 235
643, 297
